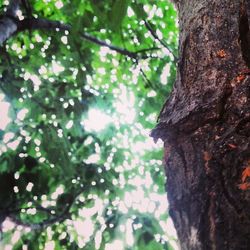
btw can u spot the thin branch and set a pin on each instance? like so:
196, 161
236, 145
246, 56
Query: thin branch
149, 83
146, 50
42, 105
39, 23
148, 26
8, 23
50, 221
39, 208
121, 51
41, 225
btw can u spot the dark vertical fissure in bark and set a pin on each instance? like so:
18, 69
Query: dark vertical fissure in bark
205, 125
244, 33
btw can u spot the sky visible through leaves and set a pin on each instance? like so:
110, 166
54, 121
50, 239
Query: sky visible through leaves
78, 168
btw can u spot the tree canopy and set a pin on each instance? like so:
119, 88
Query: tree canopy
82, 83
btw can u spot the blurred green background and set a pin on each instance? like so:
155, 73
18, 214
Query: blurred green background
78, 169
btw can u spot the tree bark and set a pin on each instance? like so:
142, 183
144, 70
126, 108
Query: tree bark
8, 21
205, 125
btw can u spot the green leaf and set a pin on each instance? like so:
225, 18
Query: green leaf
98, 9
139, 11
57, 152
118, 13
3, 166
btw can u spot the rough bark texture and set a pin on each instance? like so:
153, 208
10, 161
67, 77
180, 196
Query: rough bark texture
205, 125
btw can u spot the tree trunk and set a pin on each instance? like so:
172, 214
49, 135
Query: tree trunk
205, 125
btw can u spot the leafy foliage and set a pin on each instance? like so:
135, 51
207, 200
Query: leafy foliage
78, 169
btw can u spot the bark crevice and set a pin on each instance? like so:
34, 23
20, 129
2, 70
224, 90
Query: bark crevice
244, 32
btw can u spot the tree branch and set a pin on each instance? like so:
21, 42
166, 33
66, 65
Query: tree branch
146, 50
121, 51
13, 7
38, 208
149, 83
42, 24
36, 23
50, 221
45, 24
148, 26
41, 225
8, 23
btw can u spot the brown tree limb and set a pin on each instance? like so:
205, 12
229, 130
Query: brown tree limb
13, 7
10, 25
8, 22
42, 24
45, 24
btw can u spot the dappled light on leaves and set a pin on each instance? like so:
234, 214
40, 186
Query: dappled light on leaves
78, 99
4, 107
96, 120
